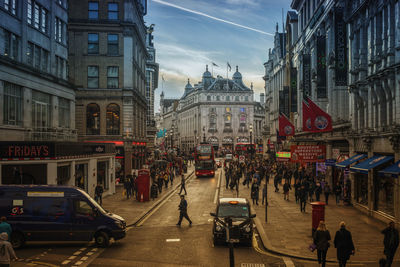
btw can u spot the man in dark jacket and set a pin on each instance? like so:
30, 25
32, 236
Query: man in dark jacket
98, 193
303, 198
391, 242
344, 245
183, 211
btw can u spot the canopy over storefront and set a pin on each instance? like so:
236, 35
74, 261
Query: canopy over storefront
392, 170
373, 162
349, 161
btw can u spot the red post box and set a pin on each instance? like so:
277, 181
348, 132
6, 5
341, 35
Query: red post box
318, 214
143, 185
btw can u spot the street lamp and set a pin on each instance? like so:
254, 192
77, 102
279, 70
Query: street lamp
204, 134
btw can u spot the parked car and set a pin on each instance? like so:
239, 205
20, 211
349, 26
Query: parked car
237, 209
57, 213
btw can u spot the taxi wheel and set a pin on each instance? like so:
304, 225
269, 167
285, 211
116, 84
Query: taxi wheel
17, 240
102, 239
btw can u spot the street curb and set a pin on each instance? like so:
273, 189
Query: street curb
157, 203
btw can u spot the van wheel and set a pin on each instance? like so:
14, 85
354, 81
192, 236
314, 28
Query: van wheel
17, 240
102, 239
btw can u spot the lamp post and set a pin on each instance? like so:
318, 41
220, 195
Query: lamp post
204, 134
251, 141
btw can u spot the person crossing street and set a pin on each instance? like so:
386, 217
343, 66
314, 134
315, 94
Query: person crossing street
183, 211
183, 185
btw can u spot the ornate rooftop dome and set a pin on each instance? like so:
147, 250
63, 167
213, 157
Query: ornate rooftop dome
237, 75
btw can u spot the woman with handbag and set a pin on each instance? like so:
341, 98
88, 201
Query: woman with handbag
321, 239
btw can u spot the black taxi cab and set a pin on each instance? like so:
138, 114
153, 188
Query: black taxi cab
238, 210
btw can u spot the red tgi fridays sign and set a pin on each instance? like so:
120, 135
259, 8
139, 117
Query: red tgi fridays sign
305, 154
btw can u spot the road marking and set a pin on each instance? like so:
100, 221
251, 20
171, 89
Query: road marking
77, 253
94, 249
218, 187
89, 253
65, 262
252, 265
84, 258
81, 249
78, 262
173, 240
288, 262
72, 257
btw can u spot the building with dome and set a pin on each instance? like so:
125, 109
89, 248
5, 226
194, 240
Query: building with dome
216, 109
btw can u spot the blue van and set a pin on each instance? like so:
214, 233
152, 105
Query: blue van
57, 213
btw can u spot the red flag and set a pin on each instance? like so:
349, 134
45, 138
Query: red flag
322, 120
286, 128
308, 118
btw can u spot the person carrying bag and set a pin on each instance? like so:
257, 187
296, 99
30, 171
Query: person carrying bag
321, 240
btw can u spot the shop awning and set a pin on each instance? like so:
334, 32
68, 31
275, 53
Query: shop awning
393, 170
347, 162
366, 165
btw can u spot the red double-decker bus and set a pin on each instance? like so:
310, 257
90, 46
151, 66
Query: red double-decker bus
244, 149
204, 160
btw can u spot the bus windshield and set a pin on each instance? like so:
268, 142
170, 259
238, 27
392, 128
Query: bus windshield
204, 149
234, 211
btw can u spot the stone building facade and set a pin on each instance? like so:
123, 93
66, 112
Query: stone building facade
217, 110
108, 54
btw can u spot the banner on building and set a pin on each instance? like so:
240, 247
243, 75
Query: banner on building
314, 118
293, 90
307, 75
286, 128
321, 66
340, 49
308, 153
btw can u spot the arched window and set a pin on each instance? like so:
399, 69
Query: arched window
92, 119
112, 118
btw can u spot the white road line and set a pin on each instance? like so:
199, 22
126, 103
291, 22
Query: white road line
94, 249
80, 262
173, 240
218, 187
288, 262
77, 253
89, 253
84, 258
81, 249
72, 257
65, 262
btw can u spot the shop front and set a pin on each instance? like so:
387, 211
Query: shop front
213, 140
373, 191
58, 163
227, 144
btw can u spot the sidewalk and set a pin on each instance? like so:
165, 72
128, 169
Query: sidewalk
288, 231
131, 209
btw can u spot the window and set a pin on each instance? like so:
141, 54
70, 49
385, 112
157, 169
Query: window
11, 6
218, 98
60, 30
208, 98
64, 112
61, 70
93, 77
44, 60
112, 11
112, 119
36, 56
92, 119
41, 111
227, 98
82, 208
236, 98
11, 44
12, 109
29, 54
37, 16
93, 43
112, 77
112, 41
246, 98
63, 3
93, 10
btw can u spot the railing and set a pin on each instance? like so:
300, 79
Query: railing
51, 134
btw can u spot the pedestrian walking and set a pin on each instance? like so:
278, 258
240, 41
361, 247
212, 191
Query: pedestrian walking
154, 191
321, 239
338, 191
297, 187
311, 190
390, 242
228, 172
255, 189
183, 185
343, 244
264, 193
6, 251
318, 191
286, 188
327, 192
183, 211
166, 179
160, 183
303, 198
98, 193
5, 227
128, 187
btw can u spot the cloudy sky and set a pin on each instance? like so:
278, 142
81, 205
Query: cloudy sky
189, 34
